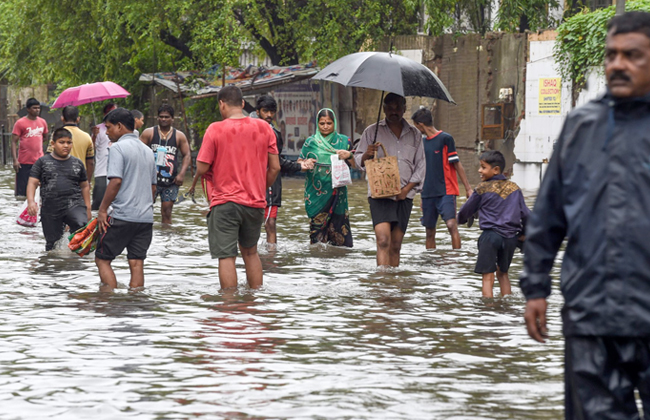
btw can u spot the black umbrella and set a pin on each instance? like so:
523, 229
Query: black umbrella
387, 72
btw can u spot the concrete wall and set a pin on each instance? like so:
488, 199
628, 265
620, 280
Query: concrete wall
538, 133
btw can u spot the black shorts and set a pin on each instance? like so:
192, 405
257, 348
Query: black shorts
135, 237
98, 192
53, 223
22, 177
494, 251
397, 213
232, 223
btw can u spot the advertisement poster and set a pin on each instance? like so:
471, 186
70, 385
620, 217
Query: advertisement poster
296, 117
550, 96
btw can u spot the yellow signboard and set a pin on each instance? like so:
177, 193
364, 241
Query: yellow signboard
550, 96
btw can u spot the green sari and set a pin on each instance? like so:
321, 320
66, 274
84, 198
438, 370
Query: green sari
326, 206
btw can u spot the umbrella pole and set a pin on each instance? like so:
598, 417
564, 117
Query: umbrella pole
378, 117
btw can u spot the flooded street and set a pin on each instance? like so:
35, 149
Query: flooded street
327, 337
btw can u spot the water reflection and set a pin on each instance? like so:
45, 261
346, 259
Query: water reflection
328, 336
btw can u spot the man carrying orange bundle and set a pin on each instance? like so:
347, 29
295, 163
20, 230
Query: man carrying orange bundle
65, 192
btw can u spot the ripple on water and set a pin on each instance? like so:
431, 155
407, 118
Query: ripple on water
327, 337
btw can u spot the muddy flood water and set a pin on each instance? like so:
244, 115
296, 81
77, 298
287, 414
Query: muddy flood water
327, 337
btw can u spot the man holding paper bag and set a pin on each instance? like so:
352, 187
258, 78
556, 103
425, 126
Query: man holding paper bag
390, 215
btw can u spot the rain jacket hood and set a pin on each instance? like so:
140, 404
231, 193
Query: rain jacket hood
596, 194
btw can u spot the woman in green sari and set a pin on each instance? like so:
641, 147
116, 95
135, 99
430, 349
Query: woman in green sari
326, 206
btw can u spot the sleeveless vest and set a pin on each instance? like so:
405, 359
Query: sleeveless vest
167, 173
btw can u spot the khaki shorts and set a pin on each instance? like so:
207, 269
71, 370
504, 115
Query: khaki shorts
232, 223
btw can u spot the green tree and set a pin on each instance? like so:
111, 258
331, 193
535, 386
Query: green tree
462, 16
580, 42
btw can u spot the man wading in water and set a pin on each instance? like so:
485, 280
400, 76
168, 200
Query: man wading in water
596, 193
166, 143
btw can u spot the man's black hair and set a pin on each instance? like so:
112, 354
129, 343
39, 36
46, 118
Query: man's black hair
423, 115
108, 107
494, 158
267, 102
70, 114
60, 133
393, 98
32, 102
166, 108
231, 95
137, 114
630, 22
121, 116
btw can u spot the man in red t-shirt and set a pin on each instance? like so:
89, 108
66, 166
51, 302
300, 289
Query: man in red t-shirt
30, 131
240, 156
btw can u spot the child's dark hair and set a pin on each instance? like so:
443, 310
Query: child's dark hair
121, 116
137, 114
60, 133
494, 158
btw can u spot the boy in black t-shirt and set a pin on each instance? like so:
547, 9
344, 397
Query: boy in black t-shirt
65, 193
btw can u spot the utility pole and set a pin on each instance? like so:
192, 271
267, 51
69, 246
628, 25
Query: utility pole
620, 7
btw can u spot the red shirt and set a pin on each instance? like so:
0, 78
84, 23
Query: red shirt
31, 133
237, 151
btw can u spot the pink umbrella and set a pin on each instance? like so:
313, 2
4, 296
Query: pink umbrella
90, 92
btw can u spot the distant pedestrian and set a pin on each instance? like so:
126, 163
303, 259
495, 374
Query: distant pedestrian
101, 143
327, 207
390, 216
82, 144
502, 217
266, 108
168, 144
30, 131
65, 193
440, 187
139, 121
596, 194
132, 184
239, 156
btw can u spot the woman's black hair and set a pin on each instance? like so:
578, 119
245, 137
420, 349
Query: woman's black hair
325, 113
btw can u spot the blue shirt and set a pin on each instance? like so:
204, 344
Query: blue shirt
133, 162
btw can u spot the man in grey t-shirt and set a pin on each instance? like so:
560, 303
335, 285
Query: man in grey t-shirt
131, 175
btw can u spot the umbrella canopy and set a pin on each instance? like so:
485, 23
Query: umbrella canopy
386, 72
90, 92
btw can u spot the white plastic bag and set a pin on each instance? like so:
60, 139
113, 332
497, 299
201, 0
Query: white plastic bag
23, 218
340, 172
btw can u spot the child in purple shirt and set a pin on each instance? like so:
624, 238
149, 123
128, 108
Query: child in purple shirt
502, 217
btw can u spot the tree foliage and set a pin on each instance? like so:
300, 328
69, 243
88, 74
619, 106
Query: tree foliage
77, 41
580, 42
462, 16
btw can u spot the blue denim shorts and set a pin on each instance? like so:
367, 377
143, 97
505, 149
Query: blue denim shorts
167, 193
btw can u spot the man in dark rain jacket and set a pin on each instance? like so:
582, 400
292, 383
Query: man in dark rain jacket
265, 108
596, 193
